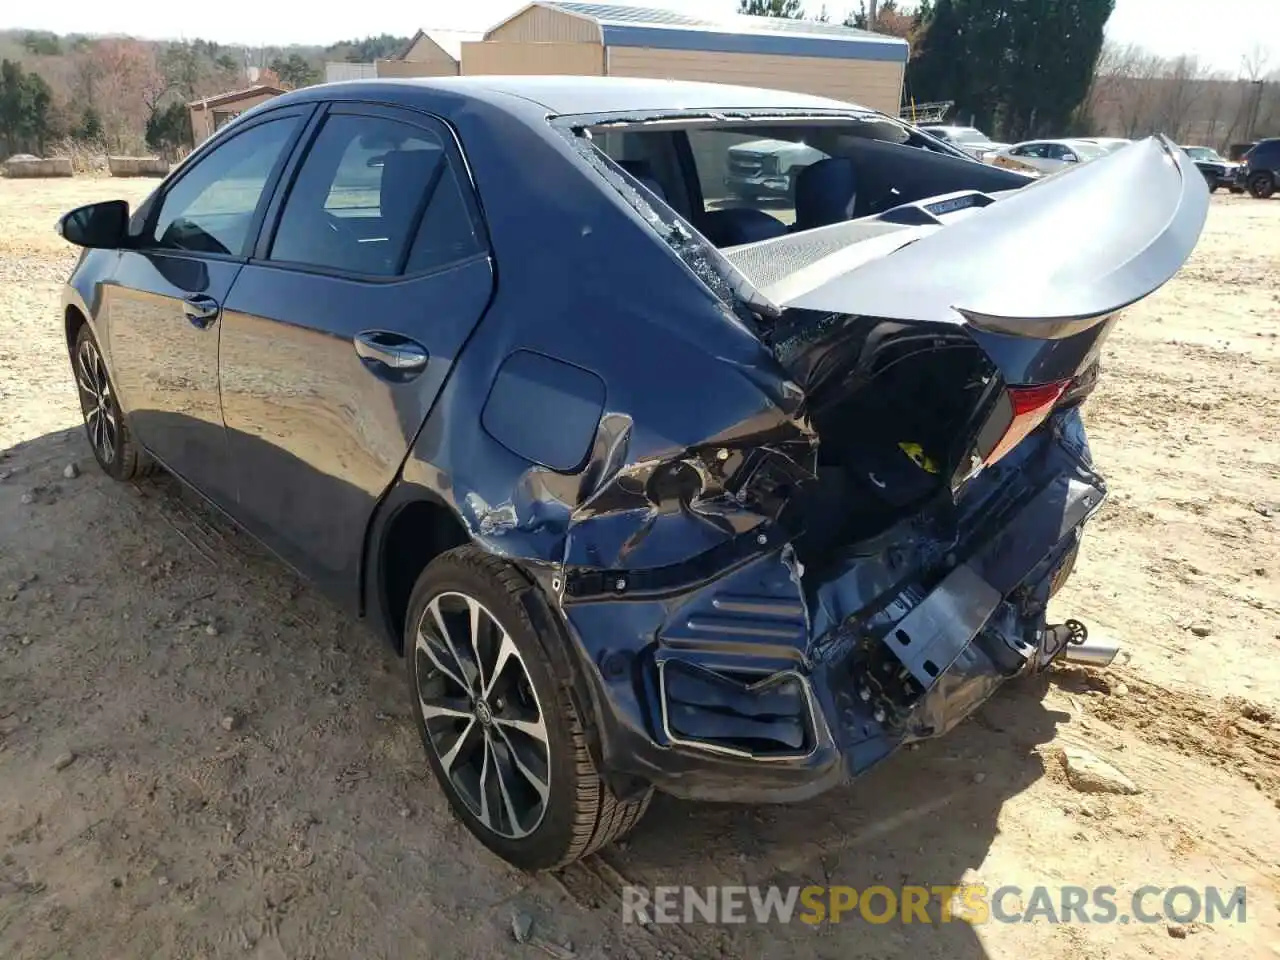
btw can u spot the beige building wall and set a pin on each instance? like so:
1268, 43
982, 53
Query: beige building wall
539, 24
444, 67
517, 59
205, 120
872, 83
426, 50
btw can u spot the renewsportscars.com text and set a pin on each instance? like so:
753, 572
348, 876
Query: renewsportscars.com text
969, 903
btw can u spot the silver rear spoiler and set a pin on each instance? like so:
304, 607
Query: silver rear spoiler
1045, 261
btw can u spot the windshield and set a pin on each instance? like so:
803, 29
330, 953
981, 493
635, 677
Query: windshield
1202, 153
969, 135
1086, 150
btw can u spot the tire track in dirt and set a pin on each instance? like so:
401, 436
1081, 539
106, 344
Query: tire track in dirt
1239, 735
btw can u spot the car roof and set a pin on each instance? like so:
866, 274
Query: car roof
577, 95
1065, 140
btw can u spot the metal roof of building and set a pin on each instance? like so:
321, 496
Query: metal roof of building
572, 96
233, 96
622, 26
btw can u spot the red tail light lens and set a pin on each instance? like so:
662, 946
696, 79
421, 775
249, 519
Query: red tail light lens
1030, 407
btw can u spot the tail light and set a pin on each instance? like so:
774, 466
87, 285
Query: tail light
1021, 410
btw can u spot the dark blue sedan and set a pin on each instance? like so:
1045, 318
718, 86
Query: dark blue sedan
655, 486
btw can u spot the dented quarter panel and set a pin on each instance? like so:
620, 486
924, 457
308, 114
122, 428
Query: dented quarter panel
714, 387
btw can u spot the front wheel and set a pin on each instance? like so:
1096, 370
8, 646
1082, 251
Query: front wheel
502, 734
1262, 185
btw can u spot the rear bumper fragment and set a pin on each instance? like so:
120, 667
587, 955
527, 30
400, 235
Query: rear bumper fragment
759, 691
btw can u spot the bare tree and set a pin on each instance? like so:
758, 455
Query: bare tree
1135, 72
1218, 105
1253, 65
1106, 87
1181, 89
126, 84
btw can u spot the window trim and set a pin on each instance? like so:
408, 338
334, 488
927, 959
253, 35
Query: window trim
232, 130
454, 155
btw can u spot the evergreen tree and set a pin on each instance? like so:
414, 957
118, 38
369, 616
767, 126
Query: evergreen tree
26, 109
169, 128
1020, 68
788, 9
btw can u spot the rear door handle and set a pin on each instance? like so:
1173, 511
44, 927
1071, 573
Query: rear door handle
201, 310
392, 351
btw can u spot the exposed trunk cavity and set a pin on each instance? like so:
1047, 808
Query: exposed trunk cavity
894, 408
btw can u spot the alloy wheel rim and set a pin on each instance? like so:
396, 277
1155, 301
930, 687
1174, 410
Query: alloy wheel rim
97, 401
482, 715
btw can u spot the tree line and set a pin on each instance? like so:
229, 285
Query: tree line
1016, 68
1021, 69
127, 95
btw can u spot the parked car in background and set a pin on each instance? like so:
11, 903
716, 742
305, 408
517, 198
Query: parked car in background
1216, 169
1046, 156
419, 337
767, 168
1259, 172
969, 139
1108, 144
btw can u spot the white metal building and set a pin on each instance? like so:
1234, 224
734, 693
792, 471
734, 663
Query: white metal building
549, 37
430, 53
343, 70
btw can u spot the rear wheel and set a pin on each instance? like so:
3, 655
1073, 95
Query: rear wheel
502, 734
1262, 185
113, 445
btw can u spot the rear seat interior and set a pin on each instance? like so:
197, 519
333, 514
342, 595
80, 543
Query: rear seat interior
642, 170
825, 193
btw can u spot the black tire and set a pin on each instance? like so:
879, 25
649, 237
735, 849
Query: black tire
1262, 185
579, 814
117, 452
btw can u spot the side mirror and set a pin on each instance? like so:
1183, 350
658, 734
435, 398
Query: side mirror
104, 225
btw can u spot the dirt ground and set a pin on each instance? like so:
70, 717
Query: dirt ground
132, 622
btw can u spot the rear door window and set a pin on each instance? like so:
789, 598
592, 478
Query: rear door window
376, 197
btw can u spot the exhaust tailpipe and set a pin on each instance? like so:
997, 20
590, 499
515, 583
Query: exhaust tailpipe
1072, 642
1093, 652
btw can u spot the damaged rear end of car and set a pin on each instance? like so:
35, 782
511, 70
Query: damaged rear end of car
880, 548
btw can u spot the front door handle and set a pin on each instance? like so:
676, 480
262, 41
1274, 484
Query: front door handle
391, 351
201, 310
